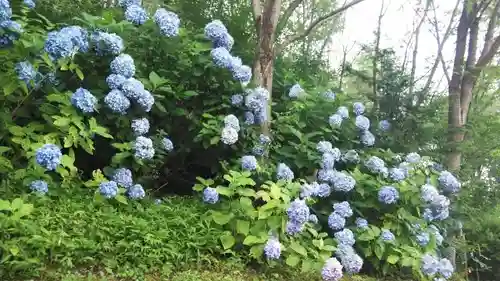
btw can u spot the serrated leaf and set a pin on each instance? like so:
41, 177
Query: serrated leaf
62, 122
299, 249
292, 260
242, 227
122, 199
227, 241
251, 240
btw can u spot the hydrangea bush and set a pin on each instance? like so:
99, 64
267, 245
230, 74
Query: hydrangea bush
318, 193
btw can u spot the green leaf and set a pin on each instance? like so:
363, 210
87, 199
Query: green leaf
392, 259
251, 240
4, 205
227, 241
122, 199
292, 260
16, 204
16, 131
10, 88
256, 251
366, 236
25, 210
14, 250
156, 80
220, 218
103, 132
299, 249
222, 190
247, 192
242, 227
67, 161
62, 121
190, 93
79, 73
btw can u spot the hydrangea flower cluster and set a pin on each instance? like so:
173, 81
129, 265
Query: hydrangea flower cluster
387, 236
229, 134
106, 43
39, 186
298, 214
143, 147
283, 172
48, 156
437, 204
361, 223
122, 177
295, 91
272, 249
329, 95
388, 195
168, 22
449, 182
432, 266
10, 30
249, 163
350, 260
136, 14
26, 72
223, 42
140, 126
376, 165
332, 270
83, 100
384, 125
210, 195
67, 41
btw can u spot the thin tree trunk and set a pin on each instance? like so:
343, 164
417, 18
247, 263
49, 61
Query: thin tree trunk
376, 56
415, 49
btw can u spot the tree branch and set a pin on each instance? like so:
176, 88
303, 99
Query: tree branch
488, 38
313, 25
257, 15
287, 14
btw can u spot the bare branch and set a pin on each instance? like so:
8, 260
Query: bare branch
488, 38
474, 18
415, 48
313, 25
287, 14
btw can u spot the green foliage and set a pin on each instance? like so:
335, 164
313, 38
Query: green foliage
74, 231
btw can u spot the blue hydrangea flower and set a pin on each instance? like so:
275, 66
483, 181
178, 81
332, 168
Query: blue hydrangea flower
335, 120
214, 30
323, 190
343, 209
145, 100
221, 57
140, 126
440, 202
84, 100
25, 71
332, 270
413, 158
387, 236
5, 10
79, 37
257, 99
117, 102
123, 177
272, 249
236, 62
343, 182
429, 265
59, 45
229, 135
308, 190
143, 147
375, 165
295, 91
326, 175
428, 193
449, 182
388, 195
397, 174
168, 22
283, 172
126, 3
107, 43
361, 223
232, 121
210, 195
242, 73
132, 88
167, 144
123, 65
329, 95
367, 138
336, 221
249, 118
298, 211
442, 214
437, 235
406, 167
115, 81
324, 147
224, 41
428, 215
264, 140
237, 99
39, 186
258, 150
343, 112
136, 14
351, 156
345, 236
249, 162
48, 156
313, 219
327, 161
352, 262
293, 228
445, 268
108, 189
158, 201
358, 108
136, 192
423, 238
11, 32
384, 125
362, 123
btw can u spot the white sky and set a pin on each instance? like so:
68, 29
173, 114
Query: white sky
397, 24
